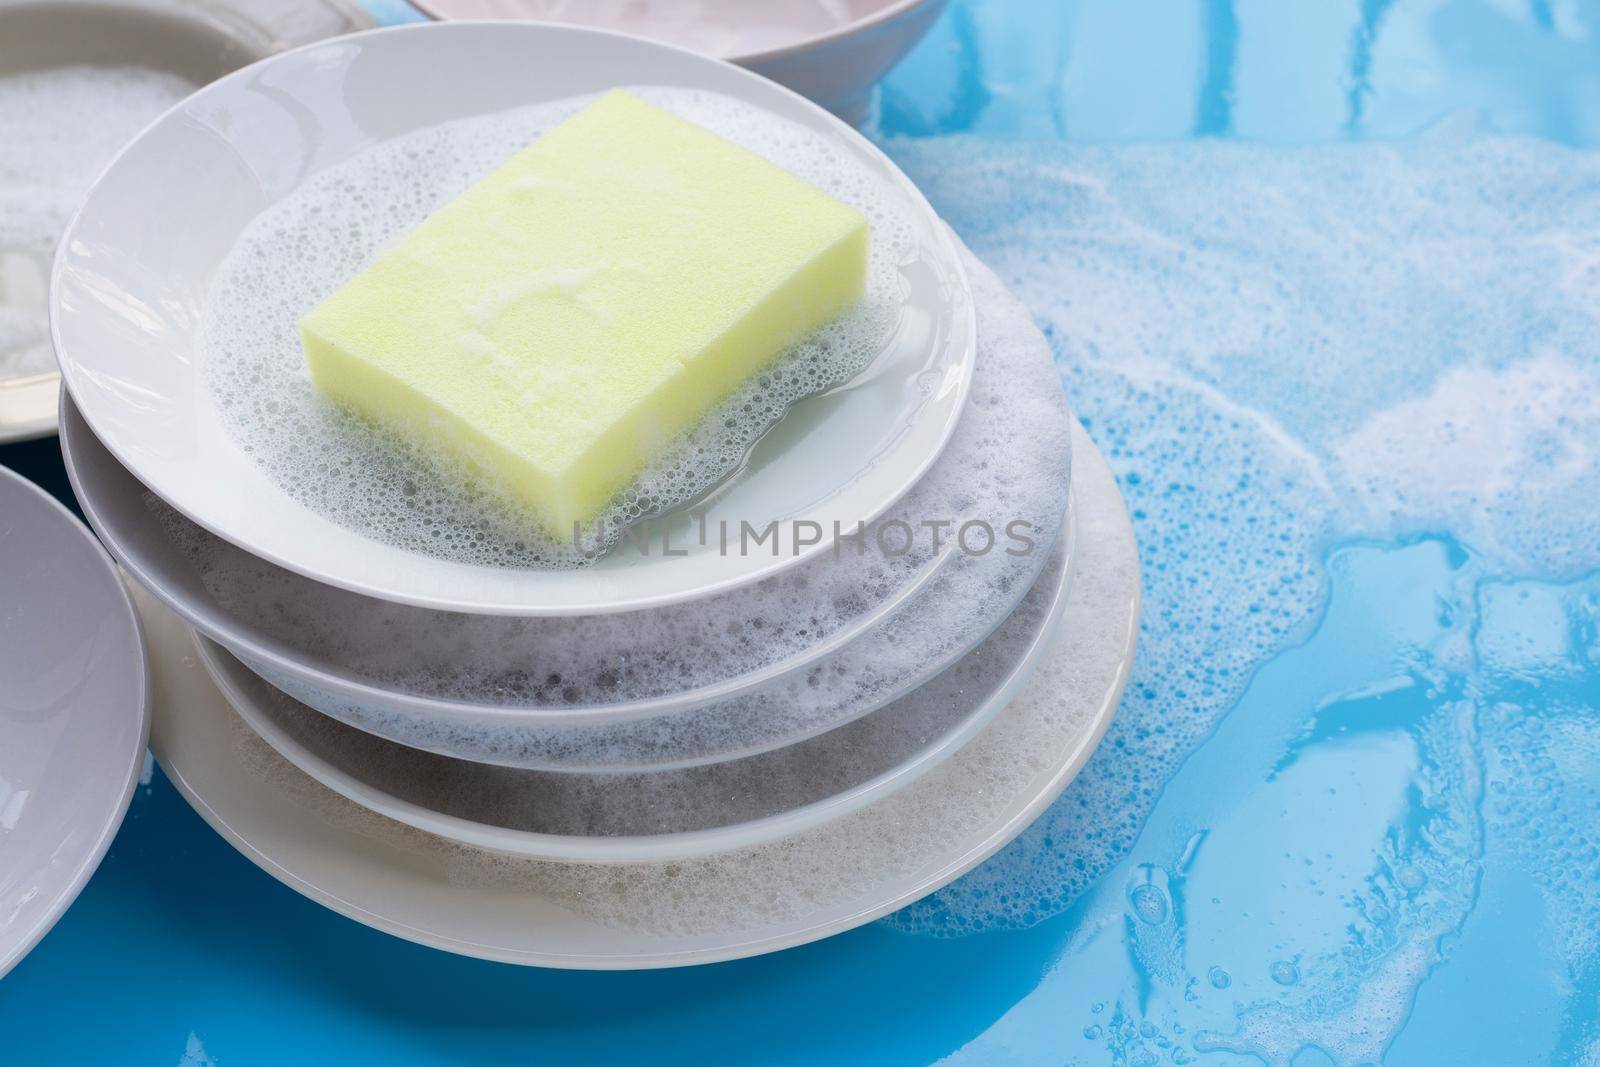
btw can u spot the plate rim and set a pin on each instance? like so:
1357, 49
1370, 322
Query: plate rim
689, 844
1042, 795
216, 625
123, 605
963, 323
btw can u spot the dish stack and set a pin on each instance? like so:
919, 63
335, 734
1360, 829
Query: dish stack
708, 705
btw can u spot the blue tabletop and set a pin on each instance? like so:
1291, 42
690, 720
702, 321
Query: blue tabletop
1323, 284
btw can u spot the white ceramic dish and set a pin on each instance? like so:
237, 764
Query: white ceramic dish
195, 42
74, 710
770, 668
757, 899
833, 51
127, 303
661, 815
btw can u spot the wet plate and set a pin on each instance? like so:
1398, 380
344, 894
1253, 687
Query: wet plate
100, 71
760, 898
74, 710
735, 674
131, 314
611, 817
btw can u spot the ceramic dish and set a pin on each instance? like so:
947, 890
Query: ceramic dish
769, 664
831, 52
74, 710
128, 306
756, 899
632, 817
189, 41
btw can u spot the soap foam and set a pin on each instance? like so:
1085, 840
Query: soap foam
60, 127
383, 485
829, 872
812, 647
728, 793
1276, 347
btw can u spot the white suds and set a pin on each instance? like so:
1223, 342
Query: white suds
59, 128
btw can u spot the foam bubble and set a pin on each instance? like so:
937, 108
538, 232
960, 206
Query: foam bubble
831, 871
1276, 345
1498, 456
1228, 514
60, 126
380, 484
726, 793
810, 648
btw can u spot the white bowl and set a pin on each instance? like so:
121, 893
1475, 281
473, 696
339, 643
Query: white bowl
128, 302
833, 53
798, 654
193, 42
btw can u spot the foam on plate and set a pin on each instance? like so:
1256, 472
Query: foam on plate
59, 127
728, 793
310, 243
833, 870
1007, 462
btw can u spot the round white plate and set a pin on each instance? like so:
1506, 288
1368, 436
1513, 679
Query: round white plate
757, 899
74, 710
128, 293
168, 35
694, 683
645, 817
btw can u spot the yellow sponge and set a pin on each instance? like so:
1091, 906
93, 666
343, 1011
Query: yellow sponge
560, 321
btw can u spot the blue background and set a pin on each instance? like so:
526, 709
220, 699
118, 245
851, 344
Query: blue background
1337, 842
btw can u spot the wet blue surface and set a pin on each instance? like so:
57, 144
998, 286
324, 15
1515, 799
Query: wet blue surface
1323, 283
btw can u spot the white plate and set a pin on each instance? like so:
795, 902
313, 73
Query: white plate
166, 35
74, 710
754, 656
758, 899
644, 817
128, 292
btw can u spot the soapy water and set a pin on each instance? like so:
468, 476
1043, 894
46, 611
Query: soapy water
833, 870
809, 649
59, 127
385, 485
1348, 391
614, 803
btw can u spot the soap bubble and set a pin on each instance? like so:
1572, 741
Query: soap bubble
59, 127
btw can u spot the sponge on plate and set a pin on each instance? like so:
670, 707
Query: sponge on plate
574, 311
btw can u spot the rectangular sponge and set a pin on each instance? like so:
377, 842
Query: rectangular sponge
586, 303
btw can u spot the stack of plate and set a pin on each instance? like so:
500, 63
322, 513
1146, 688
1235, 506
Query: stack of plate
664, 757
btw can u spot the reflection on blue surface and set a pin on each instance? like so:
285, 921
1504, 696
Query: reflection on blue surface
1351, 808
1255, 69
1370, 822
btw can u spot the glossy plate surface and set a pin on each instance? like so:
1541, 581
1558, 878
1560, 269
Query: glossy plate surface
74, 710
128, 304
